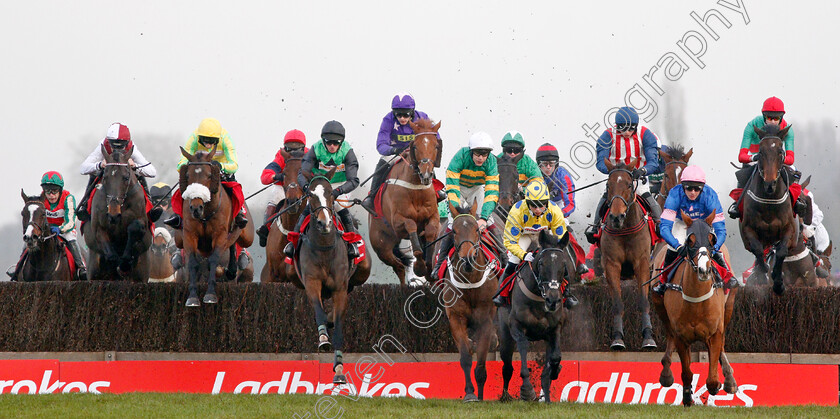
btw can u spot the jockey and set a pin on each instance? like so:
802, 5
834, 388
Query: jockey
561, 188
331, 152
620, 145
61, 218
772, 112
513, 145
526, 219
117, 138
273, 175
697, 200
472, 176
160, 192
395, 134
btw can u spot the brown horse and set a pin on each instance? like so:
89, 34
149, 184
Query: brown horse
510, 192
799, 269
676, 160
209, 230
471, 276
626, 245
276, 269
768, 219
697, 312
45, 258
161, 252
118, 234
409, 205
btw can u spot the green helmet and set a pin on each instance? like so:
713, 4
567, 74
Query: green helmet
52, 178
513, 137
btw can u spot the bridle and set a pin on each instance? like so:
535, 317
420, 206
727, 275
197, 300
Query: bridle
205, 215
664, 191
120, 200
415, 164
463, 242
38, 230
633, 186
552, 283
781, 158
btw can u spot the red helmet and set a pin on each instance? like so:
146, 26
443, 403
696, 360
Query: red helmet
295, 136
773, 104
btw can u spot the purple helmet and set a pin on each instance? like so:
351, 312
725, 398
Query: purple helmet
403, 101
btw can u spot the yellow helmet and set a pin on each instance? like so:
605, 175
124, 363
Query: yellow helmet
210, 127
537, 191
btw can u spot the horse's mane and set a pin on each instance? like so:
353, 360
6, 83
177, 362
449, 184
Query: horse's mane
676, 151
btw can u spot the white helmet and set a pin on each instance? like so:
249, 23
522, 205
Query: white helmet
481, 141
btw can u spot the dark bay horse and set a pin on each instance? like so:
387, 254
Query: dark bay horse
409, 205
799, 269
473, 278
695, 309
275, 268
536, 313
626, 245
510, 192
676, 159
118, 234
769, 220
325, 268
45, 258
209, 229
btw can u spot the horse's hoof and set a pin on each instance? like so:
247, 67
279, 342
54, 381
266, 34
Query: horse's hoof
210, 299
527, 394
469, 398
730, 388
324, 346
649, 344
666, 381
779, 288
618, 345
339, 379
193, 302
505, 397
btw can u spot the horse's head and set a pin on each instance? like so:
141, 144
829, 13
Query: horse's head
293, 191
117, 179
700, 241
199, 180
621, 192
34, 215
771, 155
321, 201
424, 149
160, 241
676, 159
465, 233
509, 189
551, 268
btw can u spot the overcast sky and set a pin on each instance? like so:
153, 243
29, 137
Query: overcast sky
544, 68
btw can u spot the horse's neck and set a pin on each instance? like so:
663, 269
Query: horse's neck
634, 212
318, 239
288, 219
406, 172
44, 257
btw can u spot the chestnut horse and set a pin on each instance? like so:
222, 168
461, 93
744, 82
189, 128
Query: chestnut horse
697, 311
409, 205
472, 277
276, 269
209, 230
626, 245
118, 234
676, 160
45, 258
768, 219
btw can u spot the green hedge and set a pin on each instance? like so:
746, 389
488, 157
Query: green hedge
270, 318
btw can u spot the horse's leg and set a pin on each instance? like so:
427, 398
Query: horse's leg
192, 266
781, 252
313, 293
383, 245
133, 245
339, 307
715, 344
666, 377
212, 264
612, 270
430, 234
642, 270
485, 337
505, 351
729, 384
685, 359
755, 247
551, 370
458, 325
526, 391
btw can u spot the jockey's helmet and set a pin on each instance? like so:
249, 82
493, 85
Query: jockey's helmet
536, 193
118, 137
547, 152
773, 108
402, 102
693, 174
626, 118
209, 127
52, 178
332, 131
481, 141
158, 190
513, 138
295, 136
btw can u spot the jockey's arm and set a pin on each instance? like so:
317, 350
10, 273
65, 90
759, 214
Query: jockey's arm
669, 215
789, 156
748, 139
720, 231
602, 150
230, 165
719, 222
270, 172
817, 214
558, 221
383, 139
651, 150
513, 231
309, 161
143, 167
491, 191
69, 215
453, 182
568, 191
351, 172
91, 164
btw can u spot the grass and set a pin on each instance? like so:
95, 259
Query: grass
303, 406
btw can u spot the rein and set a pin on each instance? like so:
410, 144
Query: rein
205, 217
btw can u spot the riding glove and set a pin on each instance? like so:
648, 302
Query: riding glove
55, 230
638, 173
529, 257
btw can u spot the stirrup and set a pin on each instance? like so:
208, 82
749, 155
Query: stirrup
659, 288
289, 250
498, 301
174, 221
570, 301
369, 205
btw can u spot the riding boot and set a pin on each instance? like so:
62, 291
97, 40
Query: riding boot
593, 229
177, 260
81, 208
803, 209
582, 269
659, 288
569, 300
174, 221
655, 209
378, 177
510, 268
445, 246
718, 258
240, 220
244, 260
733, 211
263, 231
350, 227
289, 250
81, 266
14, 274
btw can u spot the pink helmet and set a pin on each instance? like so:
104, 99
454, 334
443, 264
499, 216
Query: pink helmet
693, 174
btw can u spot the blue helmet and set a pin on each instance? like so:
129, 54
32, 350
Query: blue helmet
626, 116
403, 101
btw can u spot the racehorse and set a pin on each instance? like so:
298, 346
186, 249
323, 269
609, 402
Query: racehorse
209, 230
118, 234
275, 268
536, 313
45, 258
768, 219
626, 245
798, 269
409, 205
698, 311
510, 192
676, 160
473, 277
161, 269
325, 268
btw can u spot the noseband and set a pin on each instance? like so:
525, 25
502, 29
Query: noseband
121, 199
617, 196
206, 216
415, 164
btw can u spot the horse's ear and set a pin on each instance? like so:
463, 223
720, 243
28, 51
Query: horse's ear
414, 126
186, 154
331, 173
784, 132
284, 154
474, 207
519, 157
23, 195
104, 152
633, 162
760, 132
209, 157
686, 219
452, 210
436, 127
564, 240
687, 156
665, 157
711, 218
807, 182
609, 164
828, 250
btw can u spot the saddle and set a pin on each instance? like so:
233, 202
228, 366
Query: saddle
377, 199
722, 274
349, 237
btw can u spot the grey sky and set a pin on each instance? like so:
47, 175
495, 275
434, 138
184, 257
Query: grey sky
262, 68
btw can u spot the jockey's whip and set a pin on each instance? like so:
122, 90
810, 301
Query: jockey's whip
508, 279
383, 166
253, 194
436, 240
671, 265
587, 186
284, 210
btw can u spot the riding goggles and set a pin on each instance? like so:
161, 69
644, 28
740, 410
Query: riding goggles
538, 204
625, 127
331, 142
208, 140
693, 187
403, 114
512, 150
52, 190
481, 153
